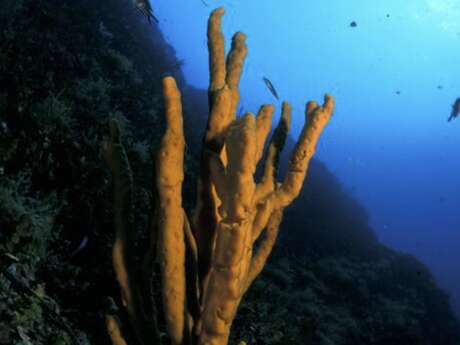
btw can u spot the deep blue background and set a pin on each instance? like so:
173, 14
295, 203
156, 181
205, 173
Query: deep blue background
395, 152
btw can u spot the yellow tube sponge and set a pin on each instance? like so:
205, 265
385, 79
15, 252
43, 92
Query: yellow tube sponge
113, 328
171, 241
207, 264
316, 118
223, 99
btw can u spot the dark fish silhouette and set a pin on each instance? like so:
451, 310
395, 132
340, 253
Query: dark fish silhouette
353, 24
455, 109
104, 32
146, 9
204, 3
271, 87
82, 245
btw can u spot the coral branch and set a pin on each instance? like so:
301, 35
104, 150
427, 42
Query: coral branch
216, 48
223, 100
264, 122
235, 63
122, 252
260, 258
267, 185
117, 160
171, 242
316, 118
113, 328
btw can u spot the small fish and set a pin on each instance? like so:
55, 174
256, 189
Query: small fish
146, 9
11, 257
353, 24
455, 109
103, 30
82, 245
204, 3
270, 87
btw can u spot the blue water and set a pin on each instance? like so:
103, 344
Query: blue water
394, 76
